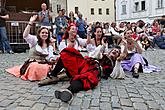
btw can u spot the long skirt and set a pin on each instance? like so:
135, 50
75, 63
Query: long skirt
129, 64
34, 72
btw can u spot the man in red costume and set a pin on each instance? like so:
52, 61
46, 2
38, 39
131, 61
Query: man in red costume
83, 72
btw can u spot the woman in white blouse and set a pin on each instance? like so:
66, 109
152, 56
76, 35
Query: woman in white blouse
41, 52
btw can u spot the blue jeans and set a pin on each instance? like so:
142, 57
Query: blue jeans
4, 40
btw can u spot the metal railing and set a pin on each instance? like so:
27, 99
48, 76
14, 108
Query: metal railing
15, 31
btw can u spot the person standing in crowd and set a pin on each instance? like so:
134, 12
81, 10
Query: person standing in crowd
155, 27
63, 13
61, 24
81, 24
71, 18
44, 16
3, 34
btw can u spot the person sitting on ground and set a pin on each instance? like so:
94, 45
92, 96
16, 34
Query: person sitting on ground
40, 53
159, 40
146, 42
71, 36
134, 60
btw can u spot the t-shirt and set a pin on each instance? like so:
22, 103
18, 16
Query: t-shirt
3, 12
45, 21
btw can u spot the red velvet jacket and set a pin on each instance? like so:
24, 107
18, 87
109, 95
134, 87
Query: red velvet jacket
80, 68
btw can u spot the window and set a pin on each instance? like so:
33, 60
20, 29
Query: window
100, 11
58, 7
136, 6
76, 10
142, 5
160, 4
92, 11
107, 11
123, 9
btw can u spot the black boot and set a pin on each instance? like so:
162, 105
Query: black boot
65, 95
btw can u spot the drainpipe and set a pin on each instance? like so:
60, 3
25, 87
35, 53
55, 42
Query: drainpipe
66, 7
115, 9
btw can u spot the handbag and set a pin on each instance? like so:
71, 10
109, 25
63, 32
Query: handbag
25, 66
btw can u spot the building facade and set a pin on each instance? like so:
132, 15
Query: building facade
93, 10
57, 5
134, 10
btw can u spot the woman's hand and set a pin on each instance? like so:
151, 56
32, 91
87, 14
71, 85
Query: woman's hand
121, 57
27, 29
104, 42
32, 19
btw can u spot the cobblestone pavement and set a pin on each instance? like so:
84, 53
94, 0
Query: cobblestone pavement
145, 93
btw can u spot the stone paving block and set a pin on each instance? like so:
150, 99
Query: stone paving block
14, 96
63, 108
143, 92
45, 99
76, 101
114, 99
105, 99
163, 106
6, 103
94, 108
140, 106
127, 108
95, 102
122, 93
95, 95
137, 99
147, 97
115, 105
113, 92
11, 106
133, 95
27, 103
51, 108
55, 105
162, 94
105, 94
22, 108
33, 97
160, 101
38, 106
86, 103
125, 102
2, 97
7, 93
131, 90
105, 106
74, 108
153, 105
19, 100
